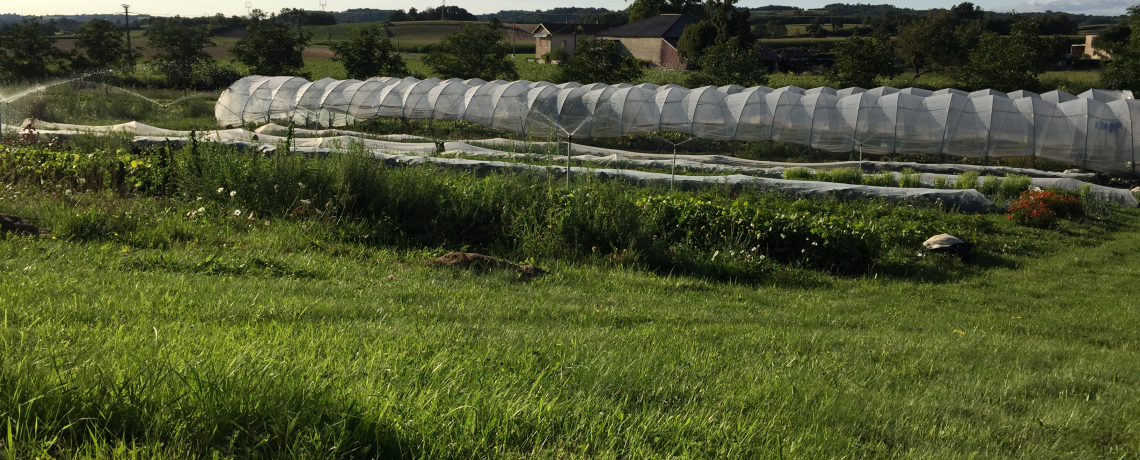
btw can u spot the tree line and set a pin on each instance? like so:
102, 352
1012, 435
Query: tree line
721, 48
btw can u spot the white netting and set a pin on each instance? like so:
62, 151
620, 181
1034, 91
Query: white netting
1097, 129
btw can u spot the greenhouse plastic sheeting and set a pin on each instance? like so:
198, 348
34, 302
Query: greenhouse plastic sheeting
1097, 129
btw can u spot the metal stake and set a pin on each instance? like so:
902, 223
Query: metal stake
569, 144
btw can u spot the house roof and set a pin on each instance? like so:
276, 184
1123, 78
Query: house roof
580, 29
660, 26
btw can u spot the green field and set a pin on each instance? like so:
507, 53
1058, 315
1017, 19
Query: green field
229, 305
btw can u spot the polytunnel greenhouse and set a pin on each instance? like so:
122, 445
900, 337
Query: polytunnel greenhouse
1097, 129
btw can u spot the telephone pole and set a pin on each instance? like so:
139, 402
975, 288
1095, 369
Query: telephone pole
127, 19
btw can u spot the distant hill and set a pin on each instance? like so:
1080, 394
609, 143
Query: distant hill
562, 15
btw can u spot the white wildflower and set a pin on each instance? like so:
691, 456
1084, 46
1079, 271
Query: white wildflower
221, 189
237, 212
233, 192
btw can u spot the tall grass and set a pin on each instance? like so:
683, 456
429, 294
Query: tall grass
521, 215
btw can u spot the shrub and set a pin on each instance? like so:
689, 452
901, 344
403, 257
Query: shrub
910, 178
967, 180
1043, 208
558, 54
941, 181
799, 173
840, 176
990, 185
881, 179
1014, 185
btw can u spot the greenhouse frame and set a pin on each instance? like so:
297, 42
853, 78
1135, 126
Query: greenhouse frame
1097, 130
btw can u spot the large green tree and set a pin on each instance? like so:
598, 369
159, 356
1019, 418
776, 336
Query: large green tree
1010, 62
941, 40
271, 47
475, 51
600, 61
729, 22
729, 64
1121, 46
26, 53
181, 49
369, 53
644, 9
101, 44
724, 22
694, 39
859, 60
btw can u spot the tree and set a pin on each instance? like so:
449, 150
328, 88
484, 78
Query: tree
729, 64
859, 60
939, 41
1113, 40
694, 39
644, 9
1010, 62
599, 61
180, 49
368, 54
101, 44
776, 29
271, 47
397, 16
729, 21
1122, 69
475, 51
836, 23
815, 28
26, 53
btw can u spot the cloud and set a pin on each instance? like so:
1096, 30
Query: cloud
1071, 6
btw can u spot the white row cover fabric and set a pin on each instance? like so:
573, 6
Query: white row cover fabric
1097, 129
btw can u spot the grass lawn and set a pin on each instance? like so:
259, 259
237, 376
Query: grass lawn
213, 335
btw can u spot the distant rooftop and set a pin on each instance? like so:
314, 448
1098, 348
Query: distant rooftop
584, 29
660, 26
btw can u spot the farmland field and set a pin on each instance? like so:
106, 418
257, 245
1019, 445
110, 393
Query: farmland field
201, 301
242, 322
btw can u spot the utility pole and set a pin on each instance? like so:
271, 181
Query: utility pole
248, 9
323, 4
127, 18
443, 11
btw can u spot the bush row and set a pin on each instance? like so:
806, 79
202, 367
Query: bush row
715, 231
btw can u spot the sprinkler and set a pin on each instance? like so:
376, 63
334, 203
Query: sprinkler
673, 172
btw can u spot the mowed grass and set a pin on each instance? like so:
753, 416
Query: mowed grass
248, 337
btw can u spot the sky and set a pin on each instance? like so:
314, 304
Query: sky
237, 7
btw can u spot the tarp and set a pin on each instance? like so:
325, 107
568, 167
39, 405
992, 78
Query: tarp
1097, 129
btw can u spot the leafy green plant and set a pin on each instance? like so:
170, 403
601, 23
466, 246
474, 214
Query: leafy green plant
840, 176
1014, 185
967, 180
910, 178
990, 185
799, 173
941, 181
880, 179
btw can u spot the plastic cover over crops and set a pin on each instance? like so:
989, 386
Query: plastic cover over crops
1098, 129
